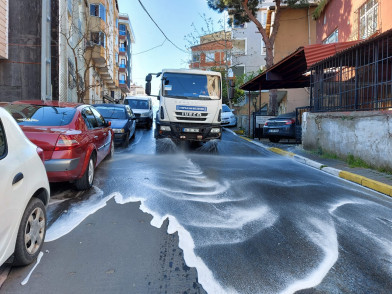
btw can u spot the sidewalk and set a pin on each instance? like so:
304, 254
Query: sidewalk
370, 178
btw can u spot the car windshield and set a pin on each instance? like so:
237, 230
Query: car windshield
111, 112
41, 115
225, 108
191, 86
137, 104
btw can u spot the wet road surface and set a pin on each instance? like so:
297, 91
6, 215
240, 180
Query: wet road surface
245, 220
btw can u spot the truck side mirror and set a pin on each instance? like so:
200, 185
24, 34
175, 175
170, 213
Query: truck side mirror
148, 84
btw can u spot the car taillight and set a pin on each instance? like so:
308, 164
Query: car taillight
65, 143
290, 122
266, 123
41, 154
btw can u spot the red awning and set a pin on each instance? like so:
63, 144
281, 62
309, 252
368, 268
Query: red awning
290, 72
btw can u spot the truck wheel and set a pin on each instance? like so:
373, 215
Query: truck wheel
31, 233
86, 181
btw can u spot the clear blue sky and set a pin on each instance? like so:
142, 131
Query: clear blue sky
175, 18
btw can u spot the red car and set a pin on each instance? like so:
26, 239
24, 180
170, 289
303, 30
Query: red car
75, 138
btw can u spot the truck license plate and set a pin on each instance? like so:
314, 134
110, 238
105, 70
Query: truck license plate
190, 130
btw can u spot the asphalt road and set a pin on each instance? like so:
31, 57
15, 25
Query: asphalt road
240, 220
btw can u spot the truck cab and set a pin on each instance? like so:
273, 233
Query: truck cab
190, 105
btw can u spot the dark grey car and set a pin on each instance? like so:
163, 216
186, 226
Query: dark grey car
282, 126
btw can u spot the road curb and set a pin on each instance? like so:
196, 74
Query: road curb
358, 179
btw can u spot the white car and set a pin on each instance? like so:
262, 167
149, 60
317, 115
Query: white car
142, 108
24, 194
228, 118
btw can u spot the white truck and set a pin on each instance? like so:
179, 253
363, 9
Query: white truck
190, 105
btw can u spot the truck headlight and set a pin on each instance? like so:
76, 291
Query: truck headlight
118, 131
165, 128
215, 130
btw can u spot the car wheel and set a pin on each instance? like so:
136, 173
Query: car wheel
274, 139
149, 124
126, 141
86, 181
31, 233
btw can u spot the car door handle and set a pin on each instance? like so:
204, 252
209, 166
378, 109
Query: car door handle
17, 178
95, 137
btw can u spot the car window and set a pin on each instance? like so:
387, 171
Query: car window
137, 104
225, 108
3, 142
111, 112
89, 118
98, 117
41, 115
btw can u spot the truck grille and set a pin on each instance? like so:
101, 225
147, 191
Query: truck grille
199, 117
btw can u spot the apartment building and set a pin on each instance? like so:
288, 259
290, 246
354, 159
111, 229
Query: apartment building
248, 46
126, 39
214, 51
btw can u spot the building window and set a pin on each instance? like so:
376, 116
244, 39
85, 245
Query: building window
210, 56
332, 38
98, 38
69, 5
239, 47
196, 57
368, 19
236, 25
122, 30
98, 10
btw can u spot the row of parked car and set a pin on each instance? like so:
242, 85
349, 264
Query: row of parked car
51, 141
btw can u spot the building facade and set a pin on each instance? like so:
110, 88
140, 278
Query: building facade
248, 46
20, 46
4, 29
349, 20
214, 51
126, 39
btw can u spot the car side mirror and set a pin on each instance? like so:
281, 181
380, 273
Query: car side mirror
108, 123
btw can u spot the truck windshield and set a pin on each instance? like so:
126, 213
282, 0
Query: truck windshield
191, 86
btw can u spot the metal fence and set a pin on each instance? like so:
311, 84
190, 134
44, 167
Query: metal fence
359, 78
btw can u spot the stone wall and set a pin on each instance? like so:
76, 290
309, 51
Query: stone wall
366, 135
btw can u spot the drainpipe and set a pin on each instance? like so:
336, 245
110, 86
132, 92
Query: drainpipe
46, 86
249, 112
309, 41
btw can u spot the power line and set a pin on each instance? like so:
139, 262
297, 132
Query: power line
150, 48
160, 28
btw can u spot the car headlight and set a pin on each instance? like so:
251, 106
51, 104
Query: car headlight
119, 131
232, 116
215, 130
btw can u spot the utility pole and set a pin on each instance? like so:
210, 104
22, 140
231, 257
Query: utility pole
46, 86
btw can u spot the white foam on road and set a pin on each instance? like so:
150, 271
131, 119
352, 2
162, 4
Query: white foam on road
24, 282
186, 243
325, 236
77, 214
